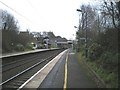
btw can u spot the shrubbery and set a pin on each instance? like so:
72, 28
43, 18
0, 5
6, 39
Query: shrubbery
104, 53
95, 50
101, 33
19, 47
29, 46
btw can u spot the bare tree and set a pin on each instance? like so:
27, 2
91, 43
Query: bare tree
9, 31
88, 22
110, 14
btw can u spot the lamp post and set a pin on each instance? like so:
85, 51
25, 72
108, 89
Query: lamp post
4, 26
78, 30
86, 50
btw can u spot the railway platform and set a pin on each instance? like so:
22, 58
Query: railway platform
63, 72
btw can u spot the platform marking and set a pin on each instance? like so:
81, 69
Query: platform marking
65, 76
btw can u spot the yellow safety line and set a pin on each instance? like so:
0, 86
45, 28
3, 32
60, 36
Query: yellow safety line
65, 75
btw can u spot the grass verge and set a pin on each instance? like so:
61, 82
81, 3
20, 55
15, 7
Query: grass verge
108, 80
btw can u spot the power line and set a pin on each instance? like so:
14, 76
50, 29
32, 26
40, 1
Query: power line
15, 11
30, 4
34, 8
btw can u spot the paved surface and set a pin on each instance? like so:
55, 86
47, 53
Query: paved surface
24, 52
55, 79
75, 78
38, 78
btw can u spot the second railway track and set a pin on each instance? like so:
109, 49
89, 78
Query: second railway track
15, 73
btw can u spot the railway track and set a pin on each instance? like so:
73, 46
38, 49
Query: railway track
17, 72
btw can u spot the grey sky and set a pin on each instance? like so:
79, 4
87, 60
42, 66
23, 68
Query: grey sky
58, 16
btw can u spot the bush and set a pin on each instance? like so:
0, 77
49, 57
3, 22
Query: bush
19, 47
95, 51
29, 46
112, 79
109, 61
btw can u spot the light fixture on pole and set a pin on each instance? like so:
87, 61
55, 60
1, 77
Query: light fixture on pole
86, 50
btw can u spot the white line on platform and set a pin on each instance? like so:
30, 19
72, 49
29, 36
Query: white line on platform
35, 84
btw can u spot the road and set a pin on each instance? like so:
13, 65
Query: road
67, 73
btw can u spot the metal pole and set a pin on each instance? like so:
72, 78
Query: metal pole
79, 31
86, 50
79, 35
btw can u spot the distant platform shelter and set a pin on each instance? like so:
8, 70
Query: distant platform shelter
64, 45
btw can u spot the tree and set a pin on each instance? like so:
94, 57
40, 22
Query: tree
103, 32
9, 31
110, 12
88, 23
38, 36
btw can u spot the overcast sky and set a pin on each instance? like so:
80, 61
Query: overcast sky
58, 16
